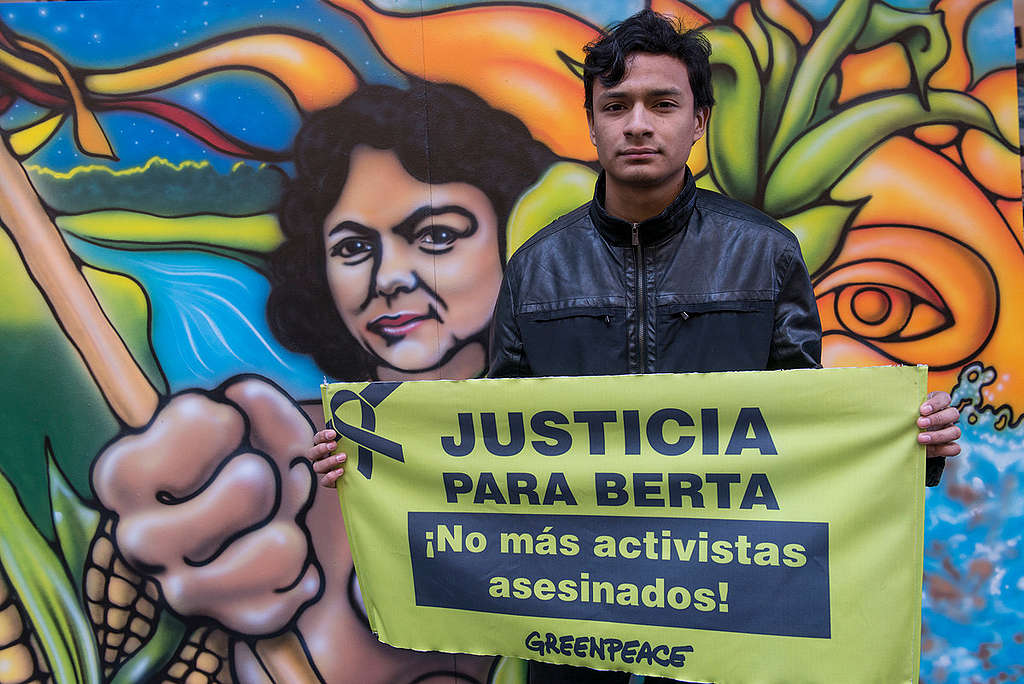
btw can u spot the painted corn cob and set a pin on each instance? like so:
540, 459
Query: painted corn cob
21, 659
203, 659
122, 605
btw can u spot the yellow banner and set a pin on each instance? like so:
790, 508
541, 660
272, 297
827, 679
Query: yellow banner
724, 527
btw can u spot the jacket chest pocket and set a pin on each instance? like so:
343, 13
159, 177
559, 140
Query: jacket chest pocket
715, 336
575, 341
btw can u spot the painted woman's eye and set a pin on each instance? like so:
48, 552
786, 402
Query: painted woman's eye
437, 235
353, 247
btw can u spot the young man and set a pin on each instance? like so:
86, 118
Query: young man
654, 275
658, 276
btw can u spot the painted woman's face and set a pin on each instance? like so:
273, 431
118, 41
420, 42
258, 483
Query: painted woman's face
414, 269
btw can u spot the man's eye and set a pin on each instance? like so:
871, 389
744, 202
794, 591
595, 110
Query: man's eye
613, 107
351, 247
665, 105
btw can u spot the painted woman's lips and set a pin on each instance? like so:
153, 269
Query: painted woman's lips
397, 325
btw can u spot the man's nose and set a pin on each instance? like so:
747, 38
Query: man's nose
638, 124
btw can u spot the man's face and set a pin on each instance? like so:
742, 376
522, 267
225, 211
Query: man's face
644, 126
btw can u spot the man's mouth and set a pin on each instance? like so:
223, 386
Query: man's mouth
400, 324
638, 152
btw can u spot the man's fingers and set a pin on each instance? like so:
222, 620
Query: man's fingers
324, 436
326, 465
320, 451
331, 479
944, 418
939, 437
938, 426
935, 401
943, 450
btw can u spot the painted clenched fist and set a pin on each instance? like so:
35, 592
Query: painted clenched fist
211, 499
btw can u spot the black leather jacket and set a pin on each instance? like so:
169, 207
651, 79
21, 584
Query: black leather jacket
709, 284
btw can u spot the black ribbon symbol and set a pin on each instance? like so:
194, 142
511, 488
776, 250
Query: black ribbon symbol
363, 436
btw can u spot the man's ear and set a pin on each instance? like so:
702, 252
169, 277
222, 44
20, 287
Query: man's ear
590, 126
701, 117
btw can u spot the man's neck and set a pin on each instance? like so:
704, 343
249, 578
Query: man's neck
636, 204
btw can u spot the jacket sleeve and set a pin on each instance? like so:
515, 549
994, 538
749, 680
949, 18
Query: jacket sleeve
796, 338
507, 358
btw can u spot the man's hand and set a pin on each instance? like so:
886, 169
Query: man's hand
327, 467
938, 425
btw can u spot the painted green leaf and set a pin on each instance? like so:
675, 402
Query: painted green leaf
819, 159
74, 522
758, 39
706, 182
842, 28
827, 99
509, 671
921, 34
155, 654
562, 188
820, 230
733, 135
780, 71
45, 592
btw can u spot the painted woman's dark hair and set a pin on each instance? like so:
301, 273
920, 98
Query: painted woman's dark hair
441, 133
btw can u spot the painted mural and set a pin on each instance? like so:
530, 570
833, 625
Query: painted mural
165, 177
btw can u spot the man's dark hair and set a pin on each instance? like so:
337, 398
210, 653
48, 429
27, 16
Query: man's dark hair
652, 33
441, 133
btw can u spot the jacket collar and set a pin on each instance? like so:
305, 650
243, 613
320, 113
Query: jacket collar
670, 221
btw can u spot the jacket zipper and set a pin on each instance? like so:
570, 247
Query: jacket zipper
640, 313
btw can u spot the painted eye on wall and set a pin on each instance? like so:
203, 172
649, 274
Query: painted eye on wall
906, 295
888, 313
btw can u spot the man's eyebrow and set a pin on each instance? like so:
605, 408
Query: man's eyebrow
664, 91
659, 92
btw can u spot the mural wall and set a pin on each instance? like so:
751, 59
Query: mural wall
191, 195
